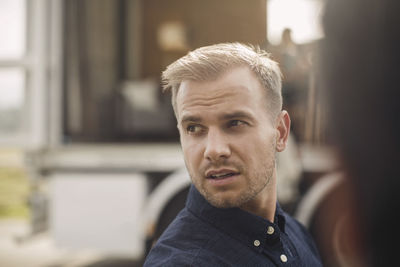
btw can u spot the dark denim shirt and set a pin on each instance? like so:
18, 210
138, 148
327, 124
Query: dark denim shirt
202, 235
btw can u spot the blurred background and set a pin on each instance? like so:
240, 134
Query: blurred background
91, 170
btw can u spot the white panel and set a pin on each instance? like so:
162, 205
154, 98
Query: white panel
98, 211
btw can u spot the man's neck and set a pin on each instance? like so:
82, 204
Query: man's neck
264, 204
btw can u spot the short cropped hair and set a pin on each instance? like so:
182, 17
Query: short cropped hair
210, 62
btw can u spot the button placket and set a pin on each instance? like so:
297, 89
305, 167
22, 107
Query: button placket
272, 235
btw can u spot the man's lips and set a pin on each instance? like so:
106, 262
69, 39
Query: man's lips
221, 173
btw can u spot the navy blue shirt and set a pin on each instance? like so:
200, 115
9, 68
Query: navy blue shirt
202, 235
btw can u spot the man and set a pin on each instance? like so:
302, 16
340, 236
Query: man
227, 101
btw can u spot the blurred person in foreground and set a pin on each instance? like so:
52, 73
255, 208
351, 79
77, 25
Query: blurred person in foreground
228, 104
360, 60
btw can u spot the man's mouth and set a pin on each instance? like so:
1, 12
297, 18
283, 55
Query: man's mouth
220, 174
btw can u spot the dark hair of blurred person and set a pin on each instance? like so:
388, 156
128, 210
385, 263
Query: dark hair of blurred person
360, 60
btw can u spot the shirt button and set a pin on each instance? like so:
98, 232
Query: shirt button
270, 230
256, 243
283, 258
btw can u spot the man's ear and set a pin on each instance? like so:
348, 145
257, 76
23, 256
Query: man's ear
283, 130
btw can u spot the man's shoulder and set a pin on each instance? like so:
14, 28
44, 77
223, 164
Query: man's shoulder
185, 227
172, 259
182, 242
194, 253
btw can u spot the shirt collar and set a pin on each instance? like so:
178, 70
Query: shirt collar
236, 222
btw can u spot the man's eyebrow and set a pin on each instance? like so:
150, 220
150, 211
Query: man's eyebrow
237, 114
226, 116
190, 118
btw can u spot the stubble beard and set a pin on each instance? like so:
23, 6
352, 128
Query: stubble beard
256, 183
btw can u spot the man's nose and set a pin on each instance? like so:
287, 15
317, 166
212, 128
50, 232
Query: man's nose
217, 146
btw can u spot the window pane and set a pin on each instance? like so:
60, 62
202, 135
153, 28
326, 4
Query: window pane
12, 84
12, 29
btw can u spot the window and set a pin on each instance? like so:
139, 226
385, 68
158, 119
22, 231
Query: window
12, 67
26, 70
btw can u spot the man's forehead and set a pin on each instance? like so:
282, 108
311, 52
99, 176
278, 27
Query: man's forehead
190, 89
240, 86
239, 76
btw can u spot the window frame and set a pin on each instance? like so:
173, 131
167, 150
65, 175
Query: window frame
42, 65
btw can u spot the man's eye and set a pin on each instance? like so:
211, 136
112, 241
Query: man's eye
193, 128
234, 123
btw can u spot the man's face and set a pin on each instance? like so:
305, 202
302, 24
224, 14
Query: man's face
228, 138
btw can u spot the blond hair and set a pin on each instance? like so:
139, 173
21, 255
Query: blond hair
209, 62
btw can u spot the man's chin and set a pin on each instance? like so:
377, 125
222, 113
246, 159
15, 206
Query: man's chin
224, 200
223, 204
